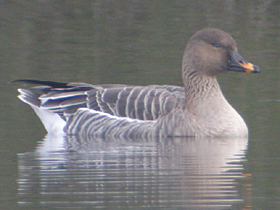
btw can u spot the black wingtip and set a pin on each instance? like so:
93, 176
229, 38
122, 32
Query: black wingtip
41, 82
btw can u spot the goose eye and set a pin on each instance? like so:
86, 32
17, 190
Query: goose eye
216, 45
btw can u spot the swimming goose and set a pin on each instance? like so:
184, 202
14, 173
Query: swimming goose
197, 109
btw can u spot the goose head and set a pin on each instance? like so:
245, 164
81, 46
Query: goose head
212, 51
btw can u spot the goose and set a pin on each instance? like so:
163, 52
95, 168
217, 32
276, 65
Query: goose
197, 109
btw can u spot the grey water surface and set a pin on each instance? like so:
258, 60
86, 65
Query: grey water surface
138, 43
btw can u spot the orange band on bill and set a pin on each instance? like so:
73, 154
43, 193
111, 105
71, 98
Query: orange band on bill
248, 67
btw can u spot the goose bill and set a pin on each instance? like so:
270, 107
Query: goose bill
239, 64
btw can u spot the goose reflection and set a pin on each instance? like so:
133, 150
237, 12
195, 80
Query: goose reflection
198, 173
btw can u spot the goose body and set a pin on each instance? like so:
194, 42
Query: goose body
196, 109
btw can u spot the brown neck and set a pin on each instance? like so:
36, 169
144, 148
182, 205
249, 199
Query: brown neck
199, 87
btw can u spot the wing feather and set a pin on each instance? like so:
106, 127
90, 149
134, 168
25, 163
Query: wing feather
136, 102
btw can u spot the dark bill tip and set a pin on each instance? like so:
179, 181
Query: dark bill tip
239, 64
250, 68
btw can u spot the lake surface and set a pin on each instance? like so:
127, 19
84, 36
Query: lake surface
139, 43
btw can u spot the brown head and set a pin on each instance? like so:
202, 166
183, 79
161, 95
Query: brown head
211, 51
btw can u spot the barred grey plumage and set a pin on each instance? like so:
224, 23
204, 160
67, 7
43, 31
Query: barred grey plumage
108, 107
197, 109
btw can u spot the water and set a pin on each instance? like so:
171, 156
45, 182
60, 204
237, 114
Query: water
167, 173
141, 43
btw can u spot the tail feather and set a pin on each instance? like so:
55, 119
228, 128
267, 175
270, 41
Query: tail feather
41, 82
52, 122
29, 97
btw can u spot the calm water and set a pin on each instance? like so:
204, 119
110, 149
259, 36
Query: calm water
167, 173
137, 42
